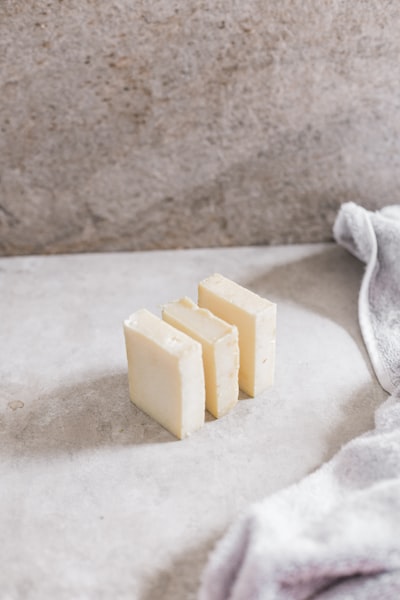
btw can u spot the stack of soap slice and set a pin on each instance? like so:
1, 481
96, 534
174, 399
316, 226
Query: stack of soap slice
191, 357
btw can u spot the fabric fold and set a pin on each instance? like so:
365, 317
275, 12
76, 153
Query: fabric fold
374, 238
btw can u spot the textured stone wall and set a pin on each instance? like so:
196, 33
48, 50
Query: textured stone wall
161, 123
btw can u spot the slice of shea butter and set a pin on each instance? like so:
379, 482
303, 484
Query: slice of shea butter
166, 377
220, 351
255, 318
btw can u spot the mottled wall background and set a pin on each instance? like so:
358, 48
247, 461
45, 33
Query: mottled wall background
161, 123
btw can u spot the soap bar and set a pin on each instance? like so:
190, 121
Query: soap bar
255, 318
220, 351
165, 369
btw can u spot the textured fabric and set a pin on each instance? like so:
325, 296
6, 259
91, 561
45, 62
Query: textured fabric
336, 534
375, 239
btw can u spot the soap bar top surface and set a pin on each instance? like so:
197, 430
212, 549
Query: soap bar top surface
161, 333
201, 320
237, 294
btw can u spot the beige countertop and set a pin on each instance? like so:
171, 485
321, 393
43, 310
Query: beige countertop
97, 501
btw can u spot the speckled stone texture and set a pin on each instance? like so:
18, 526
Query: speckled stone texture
97, 501
162, 124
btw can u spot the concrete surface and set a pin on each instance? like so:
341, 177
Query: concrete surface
97, 501
163, 124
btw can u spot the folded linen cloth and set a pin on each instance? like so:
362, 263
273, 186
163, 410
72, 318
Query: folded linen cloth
336, 534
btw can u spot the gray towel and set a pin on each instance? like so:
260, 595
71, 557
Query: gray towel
336, 534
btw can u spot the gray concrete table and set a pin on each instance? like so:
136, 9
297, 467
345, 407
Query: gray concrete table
97, 501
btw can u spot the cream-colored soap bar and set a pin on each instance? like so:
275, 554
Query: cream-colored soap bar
220, 351
255, 318
166, 377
